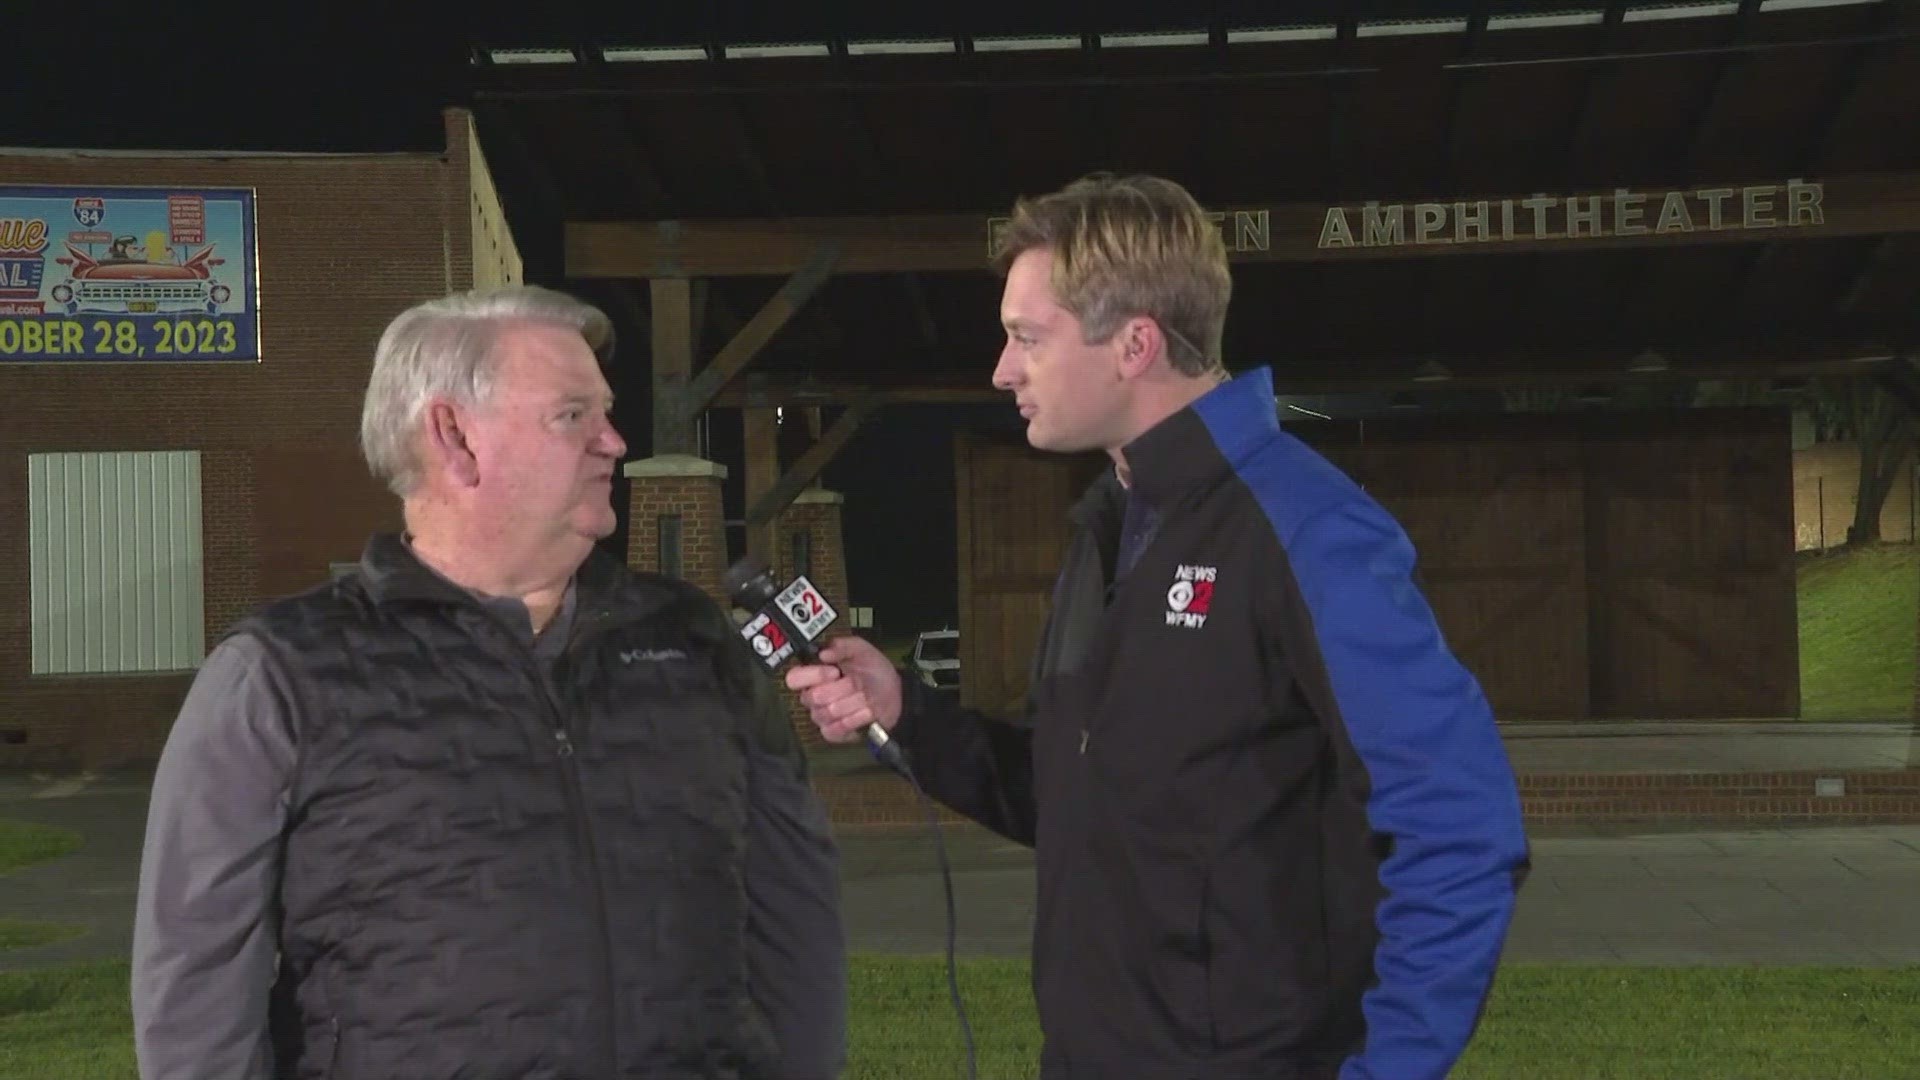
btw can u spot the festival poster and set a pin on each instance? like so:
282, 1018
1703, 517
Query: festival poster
127, 275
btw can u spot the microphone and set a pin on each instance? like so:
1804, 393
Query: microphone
784, 624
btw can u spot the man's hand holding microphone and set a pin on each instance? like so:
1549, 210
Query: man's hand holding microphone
853, 685
848, 685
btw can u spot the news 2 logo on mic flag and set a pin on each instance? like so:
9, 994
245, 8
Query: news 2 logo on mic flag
810, 612
769, 641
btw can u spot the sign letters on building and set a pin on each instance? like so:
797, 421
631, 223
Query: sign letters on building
1551, 217
1622, 212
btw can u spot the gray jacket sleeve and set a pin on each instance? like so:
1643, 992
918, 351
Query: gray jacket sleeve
797, 950
206, 916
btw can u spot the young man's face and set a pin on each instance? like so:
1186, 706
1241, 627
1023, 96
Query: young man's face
1072, 395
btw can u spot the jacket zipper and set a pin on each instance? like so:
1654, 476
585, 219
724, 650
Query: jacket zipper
577, 806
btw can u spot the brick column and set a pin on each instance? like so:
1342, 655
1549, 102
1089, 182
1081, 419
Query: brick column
677, 495
814, 515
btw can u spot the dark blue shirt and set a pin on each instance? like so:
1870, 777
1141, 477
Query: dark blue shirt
1136, 532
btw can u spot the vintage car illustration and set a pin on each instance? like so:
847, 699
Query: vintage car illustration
125, 281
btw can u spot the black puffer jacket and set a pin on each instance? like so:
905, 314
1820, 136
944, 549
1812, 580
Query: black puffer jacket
497, 870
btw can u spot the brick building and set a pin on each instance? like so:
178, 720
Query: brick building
264, 486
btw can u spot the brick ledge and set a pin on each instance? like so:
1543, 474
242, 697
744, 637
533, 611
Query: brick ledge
1890, 796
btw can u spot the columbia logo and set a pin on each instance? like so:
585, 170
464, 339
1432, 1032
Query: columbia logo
652, 655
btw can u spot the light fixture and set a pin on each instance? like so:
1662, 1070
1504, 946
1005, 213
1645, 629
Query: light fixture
532, 56
645, 54
1432, 371
914, 47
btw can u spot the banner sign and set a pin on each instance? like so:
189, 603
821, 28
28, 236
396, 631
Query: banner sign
127, 274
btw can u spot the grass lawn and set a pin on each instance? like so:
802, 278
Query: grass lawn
1545, 1023
1858, 611
23, 844
17, 934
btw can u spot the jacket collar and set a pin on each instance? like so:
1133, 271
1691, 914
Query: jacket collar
1205, 440
393, 572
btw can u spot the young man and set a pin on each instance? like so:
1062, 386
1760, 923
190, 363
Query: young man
1276, 831
491, 806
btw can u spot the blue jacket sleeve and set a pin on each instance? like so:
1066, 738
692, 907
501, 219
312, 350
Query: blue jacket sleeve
1440, 789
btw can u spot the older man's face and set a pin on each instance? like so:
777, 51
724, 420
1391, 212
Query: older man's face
544, 444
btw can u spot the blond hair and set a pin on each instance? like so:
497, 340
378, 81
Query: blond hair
1125, 246
445, 348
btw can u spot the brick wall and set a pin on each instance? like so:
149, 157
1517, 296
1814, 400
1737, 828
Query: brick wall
344, 243
1826, 476
228, 539
696, 498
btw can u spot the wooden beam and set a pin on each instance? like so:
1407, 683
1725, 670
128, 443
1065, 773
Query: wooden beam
1856, 290
1588, 105
922, 311
762, 436
814, 394
751, 159
1486, 224
672, 320
1848, 84
618, 129
760, 329
807, 468
1508, 372
1901, 381
1726, 74
701, 293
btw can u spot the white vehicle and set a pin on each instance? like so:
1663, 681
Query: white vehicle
936, 658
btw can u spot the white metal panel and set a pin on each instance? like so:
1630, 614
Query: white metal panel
116, 566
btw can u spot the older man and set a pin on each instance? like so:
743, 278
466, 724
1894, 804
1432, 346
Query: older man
491, 805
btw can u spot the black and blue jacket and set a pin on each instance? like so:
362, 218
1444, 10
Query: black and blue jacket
1276, 831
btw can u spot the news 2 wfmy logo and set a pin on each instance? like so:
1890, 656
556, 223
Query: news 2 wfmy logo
1191, 596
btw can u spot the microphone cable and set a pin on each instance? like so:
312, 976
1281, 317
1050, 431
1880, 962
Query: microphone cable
893, 756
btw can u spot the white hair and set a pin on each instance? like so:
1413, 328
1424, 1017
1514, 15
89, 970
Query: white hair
445, 349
